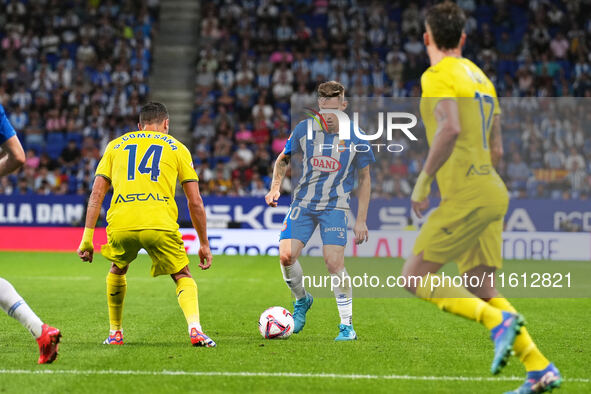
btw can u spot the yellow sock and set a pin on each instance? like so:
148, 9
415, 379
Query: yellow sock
116, 288
186, 293
458, 300
524, 346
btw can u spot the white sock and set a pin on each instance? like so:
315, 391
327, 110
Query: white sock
195, 325
344, 296
13, 304
293, 276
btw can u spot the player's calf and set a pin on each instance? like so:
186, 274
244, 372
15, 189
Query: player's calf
291, 269
343, 291
415, 270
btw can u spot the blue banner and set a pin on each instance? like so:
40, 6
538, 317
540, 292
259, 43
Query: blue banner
35, 210
522, 215
251, 212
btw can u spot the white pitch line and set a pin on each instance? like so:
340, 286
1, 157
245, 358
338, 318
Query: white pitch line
271, 375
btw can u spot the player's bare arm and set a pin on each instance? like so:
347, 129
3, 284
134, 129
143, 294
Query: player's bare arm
448, 129
199, 220
13, 156
95, 202
279, 171
363, 194
496, 141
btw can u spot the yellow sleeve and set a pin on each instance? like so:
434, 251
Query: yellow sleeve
185, 165
497, 109
105, 166
437, 84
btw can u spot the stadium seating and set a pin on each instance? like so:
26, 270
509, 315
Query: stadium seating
362, 42
76, 75
72, 68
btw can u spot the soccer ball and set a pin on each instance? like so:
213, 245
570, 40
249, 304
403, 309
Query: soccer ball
276, 322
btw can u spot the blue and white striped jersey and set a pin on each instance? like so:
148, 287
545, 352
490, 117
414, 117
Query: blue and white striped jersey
328, 166
6, 129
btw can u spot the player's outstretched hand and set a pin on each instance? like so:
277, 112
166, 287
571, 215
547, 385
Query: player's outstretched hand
420, 207
204, 257
272, 197
361, 232
86, 252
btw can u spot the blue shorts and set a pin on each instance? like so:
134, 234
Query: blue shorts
300, 223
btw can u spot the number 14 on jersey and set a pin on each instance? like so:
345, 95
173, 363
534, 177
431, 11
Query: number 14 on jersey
153, 152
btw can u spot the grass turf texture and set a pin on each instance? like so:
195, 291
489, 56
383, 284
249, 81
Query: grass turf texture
397, 336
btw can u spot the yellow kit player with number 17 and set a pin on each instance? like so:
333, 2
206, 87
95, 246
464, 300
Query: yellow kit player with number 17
143, 167
461, 113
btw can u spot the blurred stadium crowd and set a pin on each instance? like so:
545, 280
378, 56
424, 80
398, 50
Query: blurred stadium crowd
74, 74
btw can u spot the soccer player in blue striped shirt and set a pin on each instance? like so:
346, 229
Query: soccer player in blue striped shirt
322, 198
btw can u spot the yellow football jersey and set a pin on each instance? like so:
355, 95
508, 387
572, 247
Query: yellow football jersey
468, 176
143, 167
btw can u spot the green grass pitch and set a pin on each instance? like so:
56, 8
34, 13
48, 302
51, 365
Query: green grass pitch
405, 345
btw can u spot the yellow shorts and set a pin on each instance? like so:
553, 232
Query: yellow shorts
166, 248
468, 236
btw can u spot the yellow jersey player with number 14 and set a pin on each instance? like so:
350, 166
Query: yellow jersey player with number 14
461, 114
143, 167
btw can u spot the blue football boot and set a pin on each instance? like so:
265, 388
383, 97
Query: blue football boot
300, 309
346, 333
540, 381
503, 337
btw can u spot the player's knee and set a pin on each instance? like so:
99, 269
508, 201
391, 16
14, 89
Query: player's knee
483, 295
8, 294
482, 291
410, 275
334, 264
286, 258
408, 270
118, 271
5, 286
410, 284
184, 273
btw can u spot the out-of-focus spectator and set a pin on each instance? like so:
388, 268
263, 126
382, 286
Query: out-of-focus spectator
31, 159
517, 170
262, 109
245, 154
258, 188
554, 159
70, 155
559, 46
220, 183
574, 160
402, 188
577, 178
279, 142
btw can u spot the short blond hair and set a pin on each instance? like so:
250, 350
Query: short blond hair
331, 89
